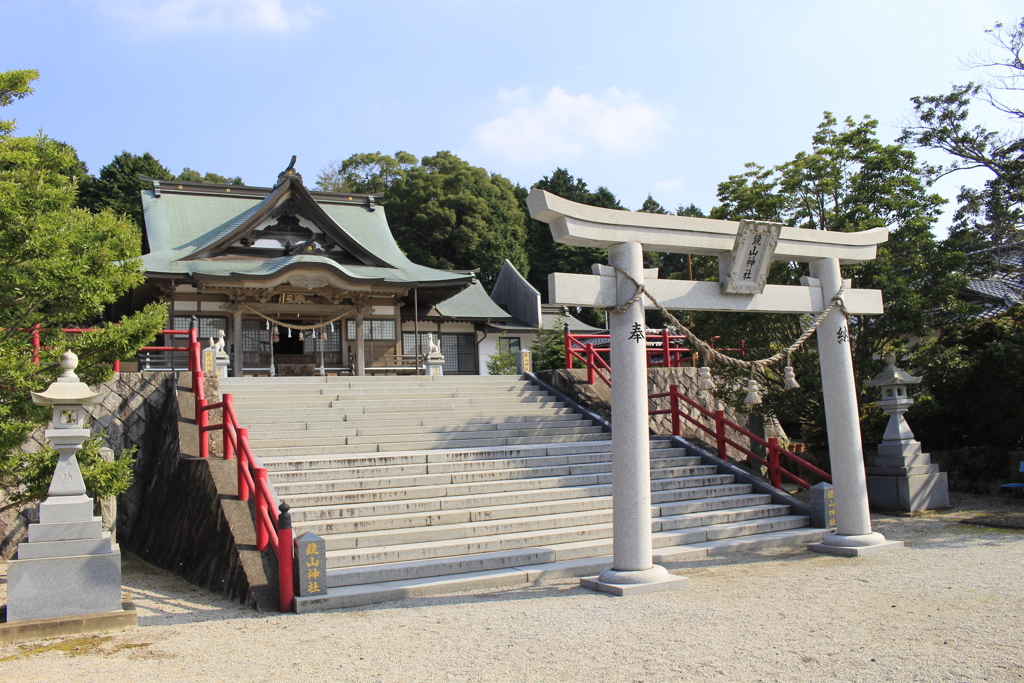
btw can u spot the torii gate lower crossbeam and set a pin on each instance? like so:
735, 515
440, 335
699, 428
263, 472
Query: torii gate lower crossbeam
626, 236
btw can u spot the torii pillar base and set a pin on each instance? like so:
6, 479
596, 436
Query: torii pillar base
650, 580
854, 546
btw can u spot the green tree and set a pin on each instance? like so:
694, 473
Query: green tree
14, 85
547, 256
849, 181
443, 212
367, 173
548, 348
993, 214
61, 266
118, 186
974, 376
190, 176
503, 360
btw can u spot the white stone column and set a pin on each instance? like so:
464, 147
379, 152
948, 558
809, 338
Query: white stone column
853, 534
632, 567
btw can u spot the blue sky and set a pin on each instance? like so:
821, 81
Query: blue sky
651, 96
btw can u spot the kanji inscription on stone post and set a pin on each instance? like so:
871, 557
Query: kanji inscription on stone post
752, 257
311, 564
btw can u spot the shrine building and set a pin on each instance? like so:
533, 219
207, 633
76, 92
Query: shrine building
304, 282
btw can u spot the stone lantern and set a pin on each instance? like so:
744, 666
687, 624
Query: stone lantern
68, 566
902, 478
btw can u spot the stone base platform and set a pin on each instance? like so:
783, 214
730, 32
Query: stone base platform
53, 627
853, 551
595, 584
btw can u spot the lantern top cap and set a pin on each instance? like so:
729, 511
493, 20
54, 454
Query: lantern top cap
892, 375
68, 389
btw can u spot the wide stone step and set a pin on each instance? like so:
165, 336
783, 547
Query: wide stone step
491, 556
454, 443
365, 404
413, 403
253, 397
258, 437
403, 416
386, 436
521, 575
514, 514
378, 380
527, 416
384, 418
539, 530
490, 494
351, 437
460, 477
579, 464
575, 453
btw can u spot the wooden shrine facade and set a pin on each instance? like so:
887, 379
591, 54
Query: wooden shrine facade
302, 282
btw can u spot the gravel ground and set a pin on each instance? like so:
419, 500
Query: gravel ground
949, 607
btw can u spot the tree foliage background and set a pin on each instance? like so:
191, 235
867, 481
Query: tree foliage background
972, 371
443, 212
848, 181
61, 265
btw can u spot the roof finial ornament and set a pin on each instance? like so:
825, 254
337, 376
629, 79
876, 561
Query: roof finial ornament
289, 172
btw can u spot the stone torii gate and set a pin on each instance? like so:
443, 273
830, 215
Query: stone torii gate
745, 250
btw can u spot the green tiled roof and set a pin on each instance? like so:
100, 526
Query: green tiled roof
472, 302
180, 224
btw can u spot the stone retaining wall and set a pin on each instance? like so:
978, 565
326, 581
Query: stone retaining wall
597, 397
134, 400
180, 513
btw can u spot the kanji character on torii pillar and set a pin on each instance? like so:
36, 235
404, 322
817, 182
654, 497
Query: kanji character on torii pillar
745, 250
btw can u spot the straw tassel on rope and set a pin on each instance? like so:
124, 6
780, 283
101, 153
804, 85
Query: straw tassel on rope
753, 397
705, 382
789, 375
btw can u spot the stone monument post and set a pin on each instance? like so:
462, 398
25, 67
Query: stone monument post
68, 566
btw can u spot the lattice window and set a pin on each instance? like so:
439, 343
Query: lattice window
409, 342
459, 351
208, 327
255, 335
328, 339
375, 330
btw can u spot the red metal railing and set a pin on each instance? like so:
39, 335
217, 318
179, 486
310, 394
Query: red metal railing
592, 352
722, 440
273, 524
35, 330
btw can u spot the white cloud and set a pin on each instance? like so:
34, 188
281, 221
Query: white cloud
565, 126
672, 186
205, 15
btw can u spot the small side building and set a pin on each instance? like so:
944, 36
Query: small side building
1005, 287
303, 282
521, 301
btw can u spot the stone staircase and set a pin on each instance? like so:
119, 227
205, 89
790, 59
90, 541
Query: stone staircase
422, 485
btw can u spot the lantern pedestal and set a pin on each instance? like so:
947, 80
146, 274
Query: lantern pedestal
68, 566
902, 478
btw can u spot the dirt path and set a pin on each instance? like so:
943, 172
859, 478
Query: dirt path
949, 607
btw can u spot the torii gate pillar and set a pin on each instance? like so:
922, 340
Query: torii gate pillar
633, 569
627, 235
853, 535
